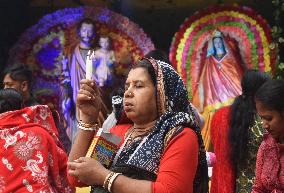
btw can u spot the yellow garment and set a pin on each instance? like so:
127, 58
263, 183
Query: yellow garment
83, 190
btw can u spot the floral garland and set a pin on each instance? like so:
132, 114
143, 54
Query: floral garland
242, 24
47, 52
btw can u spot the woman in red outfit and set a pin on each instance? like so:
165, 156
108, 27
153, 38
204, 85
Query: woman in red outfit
32, 158
236, 135
162, 149
270, 156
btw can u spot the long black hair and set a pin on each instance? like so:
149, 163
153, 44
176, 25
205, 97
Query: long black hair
10, 100
242, 116
271, 94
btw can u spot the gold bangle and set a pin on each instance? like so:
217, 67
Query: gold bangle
87, 129
87, 125
106, 181
112, 178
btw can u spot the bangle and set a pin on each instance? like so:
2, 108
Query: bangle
88, 127
106, 181
112, 178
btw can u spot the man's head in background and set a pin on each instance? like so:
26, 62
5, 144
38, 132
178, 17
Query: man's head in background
20, 78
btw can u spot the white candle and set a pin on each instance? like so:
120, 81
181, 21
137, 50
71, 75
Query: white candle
89, 66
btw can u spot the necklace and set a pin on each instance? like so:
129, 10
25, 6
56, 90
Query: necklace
139, 131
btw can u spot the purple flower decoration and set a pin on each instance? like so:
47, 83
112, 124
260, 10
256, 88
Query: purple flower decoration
104, 16
48, 54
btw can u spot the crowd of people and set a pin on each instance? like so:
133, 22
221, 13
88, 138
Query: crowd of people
161, 148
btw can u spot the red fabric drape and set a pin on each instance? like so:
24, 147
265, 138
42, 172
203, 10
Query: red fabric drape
223, 177
32, 158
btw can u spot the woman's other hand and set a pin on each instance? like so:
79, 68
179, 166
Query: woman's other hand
88, 101
88, 170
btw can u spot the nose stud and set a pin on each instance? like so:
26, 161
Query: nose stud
130, 94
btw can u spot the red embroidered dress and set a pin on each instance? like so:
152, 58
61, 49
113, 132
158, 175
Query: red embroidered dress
269, 169
31, 156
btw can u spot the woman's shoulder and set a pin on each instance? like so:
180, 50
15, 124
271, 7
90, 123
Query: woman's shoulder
183, 146
268, 142
183, 136
188, 132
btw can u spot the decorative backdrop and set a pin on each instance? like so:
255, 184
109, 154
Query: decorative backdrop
243, 27
240, 23
42, 45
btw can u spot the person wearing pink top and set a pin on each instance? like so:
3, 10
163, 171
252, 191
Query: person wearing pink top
270, 156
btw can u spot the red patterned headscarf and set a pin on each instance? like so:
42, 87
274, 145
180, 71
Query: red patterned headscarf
31, 156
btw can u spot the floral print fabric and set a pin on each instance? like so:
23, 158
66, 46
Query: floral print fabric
31, 156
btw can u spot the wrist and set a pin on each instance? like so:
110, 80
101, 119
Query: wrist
88, 127
109, 180
104, 177
88, 119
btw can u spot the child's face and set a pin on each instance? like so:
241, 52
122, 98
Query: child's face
104, 43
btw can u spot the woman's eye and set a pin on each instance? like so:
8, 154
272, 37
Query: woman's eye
138, 86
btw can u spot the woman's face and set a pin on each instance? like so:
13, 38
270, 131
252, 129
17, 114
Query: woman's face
218, 43
273, 121
139, 100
